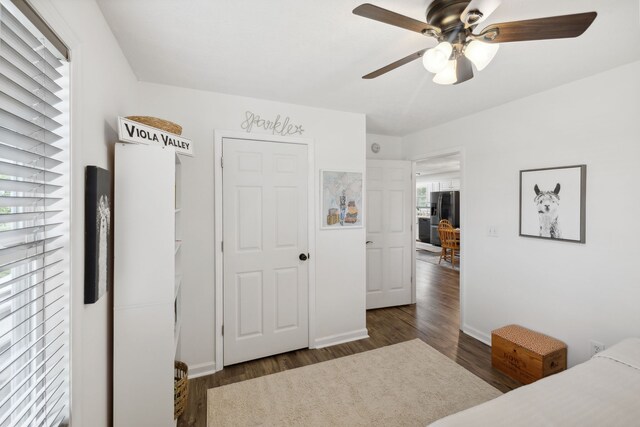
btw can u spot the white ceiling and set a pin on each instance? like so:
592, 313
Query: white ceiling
314, 53
439, 165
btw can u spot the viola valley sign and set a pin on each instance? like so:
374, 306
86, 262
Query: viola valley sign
130, 131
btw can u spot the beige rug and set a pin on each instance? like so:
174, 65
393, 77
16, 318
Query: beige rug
406, 384
434, 258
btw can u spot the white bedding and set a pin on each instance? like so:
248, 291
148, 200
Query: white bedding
605, 391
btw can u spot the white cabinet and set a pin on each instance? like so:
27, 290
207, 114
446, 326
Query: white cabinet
147, 279
450, 185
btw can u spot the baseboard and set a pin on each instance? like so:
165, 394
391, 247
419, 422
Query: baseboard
340, 338
474, 333
202, 369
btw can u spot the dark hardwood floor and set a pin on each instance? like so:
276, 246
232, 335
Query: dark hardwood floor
434, 320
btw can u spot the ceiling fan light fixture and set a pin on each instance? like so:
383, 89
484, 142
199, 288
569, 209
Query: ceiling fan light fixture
443, 23
435, 60
481, 54
448, 75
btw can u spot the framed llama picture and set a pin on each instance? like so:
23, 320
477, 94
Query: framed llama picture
552, 203
97, 234
341, 200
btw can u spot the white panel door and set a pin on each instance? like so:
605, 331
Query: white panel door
389, 238
265, 230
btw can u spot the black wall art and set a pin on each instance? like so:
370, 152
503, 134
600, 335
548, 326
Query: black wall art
97, 254
553, 203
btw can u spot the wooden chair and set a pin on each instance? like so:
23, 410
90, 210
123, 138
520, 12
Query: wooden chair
450, 241
444, 223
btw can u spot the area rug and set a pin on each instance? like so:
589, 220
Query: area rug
406, 384
434, 258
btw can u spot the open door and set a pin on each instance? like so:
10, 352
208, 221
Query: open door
389, 233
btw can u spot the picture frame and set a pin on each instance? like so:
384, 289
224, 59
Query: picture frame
341, 204
98, 234
553, 203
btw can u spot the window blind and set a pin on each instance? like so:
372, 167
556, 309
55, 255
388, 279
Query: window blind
34, 315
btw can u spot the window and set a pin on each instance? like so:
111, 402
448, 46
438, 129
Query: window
34, 206
422, 197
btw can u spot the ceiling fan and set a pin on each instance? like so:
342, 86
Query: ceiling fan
453, 24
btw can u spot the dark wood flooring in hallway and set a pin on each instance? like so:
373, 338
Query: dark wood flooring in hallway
434, 319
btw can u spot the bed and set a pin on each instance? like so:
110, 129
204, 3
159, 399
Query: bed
604, 391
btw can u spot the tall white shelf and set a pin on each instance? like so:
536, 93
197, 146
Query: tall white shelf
147, 283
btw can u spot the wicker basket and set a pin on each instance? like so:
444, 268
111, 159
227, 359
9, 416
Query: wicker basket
180, 388
155, 122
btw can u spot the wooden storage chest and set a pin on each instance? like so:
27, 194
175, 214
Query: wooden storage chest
526, 355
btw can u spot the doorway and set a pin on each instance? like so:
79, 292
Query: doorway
439, 196
263, 281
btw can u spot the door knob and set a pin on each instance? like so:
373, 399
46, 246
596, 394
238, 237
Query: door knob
303, 257
369, 241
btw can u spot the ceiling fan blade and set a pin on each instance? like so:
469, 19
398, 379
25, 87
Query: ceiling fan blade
395, 65
553, 27
383, 15
464, 70
478, 10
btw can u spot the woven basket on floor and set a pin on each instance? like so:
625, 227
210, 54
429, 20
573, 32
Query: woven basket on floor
180, 388
158, 123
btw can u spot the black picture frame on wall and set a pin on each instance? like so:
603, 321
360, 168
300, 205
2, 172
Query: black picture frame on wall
98, 243
553, 203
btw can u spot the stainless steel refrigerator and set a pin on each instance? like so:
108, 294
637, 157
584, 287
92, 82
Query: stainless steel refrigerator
444, 205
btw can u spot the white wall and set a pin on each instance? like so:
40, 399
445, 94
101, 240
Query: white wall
102, 87
390, 147
340, 255
571, 291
